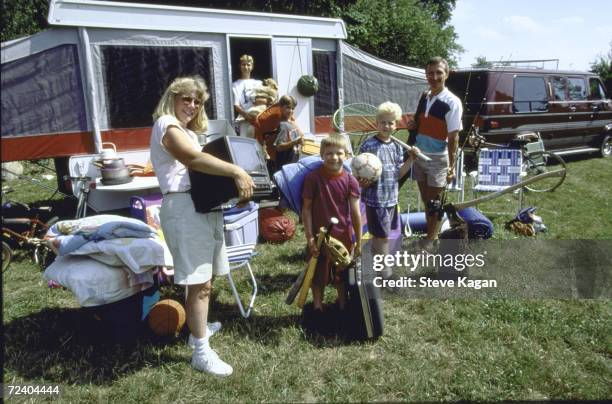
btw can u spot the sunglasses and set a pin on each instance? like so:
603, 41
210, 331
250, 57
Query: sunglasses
189, 100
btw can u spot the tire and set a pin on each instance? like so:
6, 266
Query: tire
7, 255
538, 163
605, 150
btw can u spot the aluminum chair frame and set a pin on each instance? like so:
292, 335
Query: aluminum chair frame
239, 256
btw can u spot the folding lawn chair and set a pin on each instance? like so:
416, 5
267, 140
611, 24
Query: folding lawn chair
498, 169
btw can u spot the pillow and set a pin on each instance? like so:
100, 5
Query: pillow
92, 282
138, 254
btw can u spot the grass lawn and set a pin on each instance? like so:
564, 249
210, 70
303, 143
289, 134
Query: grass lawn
432, 349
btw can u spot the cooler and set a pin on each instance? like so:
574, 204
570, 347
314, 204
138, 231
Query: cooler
241, 225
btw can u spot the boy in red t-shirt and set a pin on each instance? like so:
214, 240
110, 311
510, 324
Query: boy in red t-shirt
330, 191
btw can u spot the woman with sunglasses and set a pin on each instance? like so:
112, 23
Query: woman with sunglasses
195, 239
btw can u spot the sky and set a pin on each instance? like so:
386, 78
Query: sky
574, 31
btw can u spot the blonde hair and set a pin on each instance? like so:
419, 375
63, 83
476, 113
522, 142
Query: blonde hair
185, 86
270, 82
390, 108
266, 92
247, 58
335, 140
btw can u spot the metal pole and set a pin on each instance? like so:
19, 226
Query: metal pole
92, 91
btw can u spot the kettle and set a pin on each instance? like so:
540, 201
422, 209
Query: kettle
108, 154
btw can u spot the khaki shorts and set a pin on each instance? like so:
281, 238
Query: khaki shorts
196, 240
434, 171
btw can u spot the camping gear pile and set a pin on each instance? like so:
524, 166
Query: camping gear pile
109, 261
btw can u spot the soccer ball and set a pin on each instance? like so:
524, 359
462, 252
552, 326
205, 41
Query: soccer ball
366, 166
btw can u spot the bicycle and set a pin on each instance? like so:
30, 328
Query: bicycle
535, 158
23, 228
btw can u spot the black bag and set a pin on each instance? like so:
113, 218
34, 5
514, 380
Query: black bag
364, 303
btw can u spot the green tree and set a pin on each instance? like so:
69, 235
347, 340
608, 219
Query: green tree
401, 31
21, 18
482, 62
603, 65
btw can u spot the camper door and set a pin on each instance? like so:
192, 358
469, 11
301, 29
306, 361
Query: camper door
291, 59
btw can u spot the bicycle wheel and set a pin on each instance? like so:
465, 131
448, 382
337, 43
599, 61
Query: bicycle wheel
538, 163
7, 255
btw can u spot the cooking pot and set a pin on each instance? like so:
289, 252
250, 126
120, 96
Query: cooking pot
114, 163
115, 176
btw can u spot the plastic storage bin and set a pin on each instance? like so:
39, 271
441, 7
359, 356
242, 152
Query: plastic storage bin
146, 208
241, 225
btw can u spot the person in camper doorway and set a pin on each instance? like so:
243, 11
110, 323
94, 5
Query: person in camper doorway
243, 90
195, 240
437, 123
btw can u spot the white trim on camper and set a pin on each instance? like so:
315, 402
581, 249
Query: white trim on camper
105, 14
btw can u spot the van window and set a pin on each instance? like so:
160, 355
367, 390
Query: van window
597, 90
530, 94
470, 86
559, 88
576, 88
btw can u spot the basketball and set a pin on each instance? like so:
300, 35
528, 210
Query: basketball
275, 227
366, 166
167, 318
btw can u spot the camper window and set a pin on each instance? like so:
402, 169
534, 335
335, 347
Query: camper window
138, 75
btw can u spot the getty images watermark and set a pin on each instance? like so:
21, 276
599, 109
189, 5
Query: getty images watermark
424, 260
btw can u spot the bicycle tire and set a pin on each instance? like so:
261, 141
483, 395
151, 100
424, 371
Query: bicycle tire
538, 163
7, 255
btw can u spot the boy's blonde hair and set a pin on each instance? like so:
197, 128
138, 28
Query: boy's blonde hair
389, 108
270, 82
184, 86
247, 58
268, 90
335, 140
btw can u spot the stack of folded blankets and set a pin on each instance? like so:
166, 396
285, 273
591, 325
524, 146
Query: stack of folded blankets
105, 258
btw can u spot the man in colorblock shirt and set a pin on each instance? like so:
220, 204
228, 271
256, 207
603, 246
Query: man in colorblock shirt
438, 122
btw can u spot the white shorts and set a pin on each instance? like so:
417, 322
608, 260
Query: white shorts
195, 240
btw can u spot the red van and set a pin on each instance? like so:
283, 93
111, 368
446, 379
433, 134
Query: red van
570, 109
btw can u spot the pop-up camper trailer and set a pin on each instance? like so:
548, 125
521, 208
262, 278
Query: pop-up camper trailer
98, 73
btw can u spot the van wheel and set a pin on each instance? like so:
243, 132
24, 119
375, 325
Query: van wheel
605, 150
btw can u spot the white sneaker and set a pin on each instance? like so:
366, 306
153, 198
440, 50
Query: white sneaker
211, 329
207, 360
